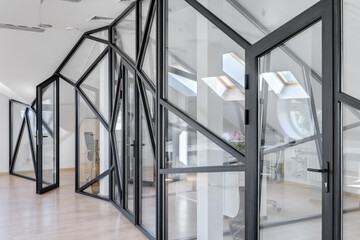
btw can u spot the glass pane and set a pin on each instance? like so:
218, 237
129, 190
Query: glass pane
24, 164
84, 56
130, 141
18, 113
96, 87
186, 147
125, 35
102, 35
257, 18
149, 64
148, 190
351, 48
290, 138
151, 99
116, 195
213, 92
206, 205
119, 136
99, 188
145, 4
32, 126
48, 146
93, 145
351, 172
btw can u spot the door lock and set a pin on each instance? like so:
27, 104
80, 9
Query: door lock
324, 171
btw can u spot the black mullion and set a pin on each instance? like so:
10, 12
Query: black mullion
252, 149
70, 54
88, 33
117, 167
229, 168
287, 31
57, 130
11, 125
110, 109
137, 28
122, 15
77, 143
348, 100
96, 179
18, 102
97, 39
93, 109
205, 131
31, 142
92, 66
219, 23
145, 39
17, 146
161, 222
94, 196
39, 134
138, 146
125, 133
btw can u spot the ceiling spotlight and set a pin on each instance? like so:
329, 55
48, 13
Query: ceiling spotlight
72, 29
44, 25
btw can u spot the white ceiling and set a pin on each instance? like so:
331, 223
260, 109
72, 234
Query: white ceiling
28, 58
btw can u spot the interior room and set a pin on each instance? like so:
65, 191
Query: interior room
179, 119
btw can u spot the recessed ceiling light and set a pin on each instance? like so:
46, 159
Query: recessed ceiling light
21, 27
72, 29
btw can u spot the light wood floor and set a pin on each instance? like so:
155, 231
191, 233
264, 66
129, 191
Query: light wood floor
60, 214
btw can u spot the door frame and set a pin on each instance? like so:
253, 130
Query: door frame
324, 11
39, 124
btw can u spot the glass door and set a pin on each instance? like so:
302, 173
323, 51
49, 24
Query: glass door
293, 174
47, 137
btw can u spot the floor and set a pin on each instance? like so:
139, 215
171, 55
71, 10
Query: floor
60, 214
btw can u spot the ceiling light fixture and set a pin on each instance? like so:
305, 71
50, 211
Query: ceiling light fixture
22, 28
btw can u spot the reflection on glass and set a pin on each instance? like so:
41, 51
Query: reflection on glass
93, 148
351, 172
151, 102
148, 190
18, 113
116, 194
205, 73
96, 87
102, 35
130, 141
125, 35
205, 205
257, 18
290, 138
99, 188
149, 64
24, 164
186, 147
84, 56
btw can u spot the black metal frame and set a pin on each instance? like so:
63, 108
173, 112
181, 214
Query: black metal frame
328, 11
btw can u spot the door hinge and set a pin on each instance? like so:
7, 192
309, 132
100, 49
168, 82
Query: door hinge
246, 81
247, 116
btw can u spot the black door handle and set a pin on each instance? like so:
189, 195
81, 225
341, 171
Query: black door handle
317, 170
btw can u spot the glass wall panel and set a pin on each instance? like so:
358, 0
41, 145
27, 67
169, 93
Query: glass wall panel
102, 35
205, 73
148, 177
351, 172
24, 164
205, 205
18, 113
96, 87
93, 146
257, 18
290, 138
351, 47
84, 56
99, 188
125, 35
186, 147
149, 64
145, 5
117, 73
130, 140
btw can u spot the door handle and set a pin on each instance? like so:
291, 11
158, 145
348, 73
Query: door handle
325, 171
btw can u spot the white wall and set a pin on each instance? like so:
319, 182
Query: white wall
4, 129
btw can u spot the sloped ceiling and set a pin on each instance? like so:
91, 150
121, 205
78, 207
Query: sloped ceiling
28, 58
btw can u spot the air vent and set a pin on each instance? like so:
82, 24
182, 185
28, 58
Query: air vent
21, 28
100, 18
